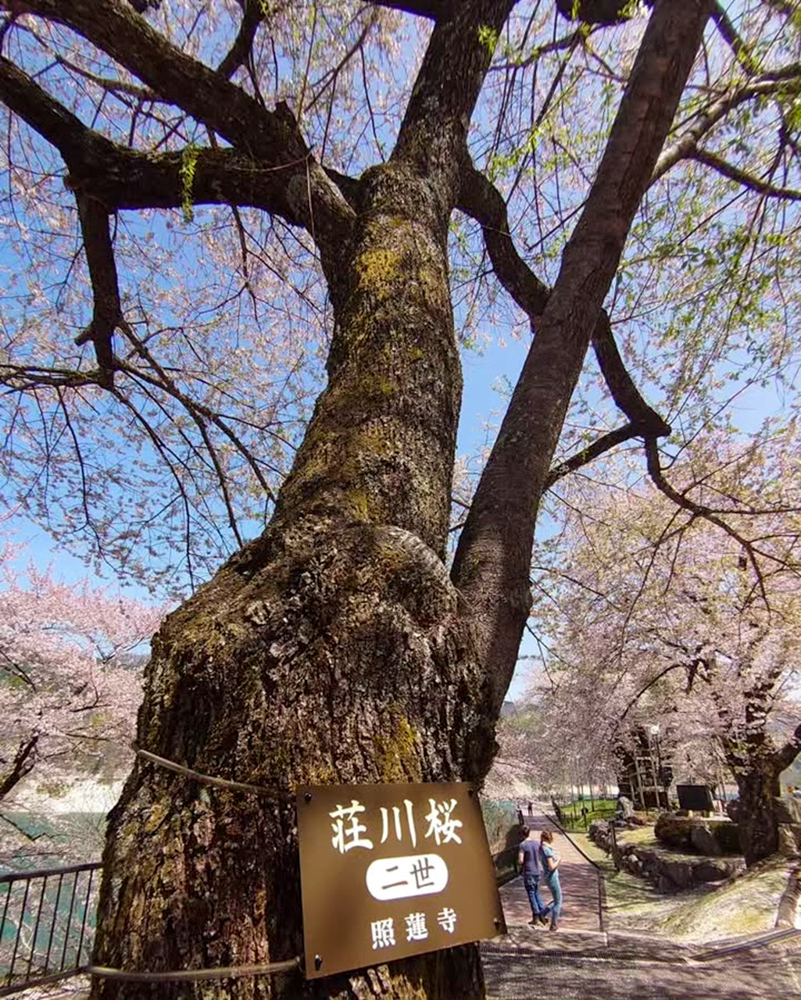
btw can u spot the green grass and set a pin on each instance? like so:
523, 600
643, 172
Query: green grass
572, 818
745, 905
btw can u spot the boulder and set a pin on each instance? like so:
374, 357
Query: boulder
680, 873
673, 830
625, 807
704, 840
788, 811
712, 871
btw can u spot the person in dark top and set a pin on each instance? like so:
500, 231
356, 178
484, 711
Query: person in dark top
529, 860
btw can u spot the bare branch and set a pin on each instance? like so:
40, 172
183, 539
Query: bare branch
481, 200
768, 84
598, 447
699, 510
748, 180
741, 50
646, 687
621, 385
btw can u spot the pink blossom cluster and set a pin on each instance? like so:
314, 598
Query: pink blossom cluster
70, 670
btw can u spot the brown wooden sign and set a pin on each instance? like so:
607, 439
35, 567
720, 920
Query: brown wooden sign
389, 871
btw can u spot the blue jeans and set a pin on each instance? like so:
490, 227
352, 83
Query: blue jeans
532, 884
555, 908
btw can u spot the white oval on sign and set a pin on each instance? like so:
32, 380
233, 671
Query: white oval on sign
397, 878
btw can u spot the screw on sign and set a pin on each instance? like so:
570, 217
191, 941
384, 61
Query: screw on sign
389, 871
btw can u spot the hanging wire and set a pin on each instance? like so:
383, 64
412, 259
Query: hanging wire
207, 779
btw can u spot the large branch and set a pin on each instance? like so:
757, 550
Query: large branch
787, 754
240, 51
272, 137
602, 12
107, 312
433, 9
23, 762
122, 178
432, 141
491, 566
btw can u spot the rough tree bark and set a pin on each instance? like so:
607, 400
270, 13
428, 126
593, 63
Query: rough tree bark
758, 787
336, 648
757, 764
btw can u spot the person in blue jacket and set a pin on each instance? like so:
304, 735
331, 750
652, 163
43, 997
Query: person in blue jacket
528, 858
549, 860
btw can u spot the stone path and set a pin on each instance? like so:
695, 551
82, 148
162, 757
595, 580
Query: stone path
580, 888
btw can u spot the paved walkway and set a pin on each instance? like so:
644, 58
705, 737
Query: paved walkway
580, 888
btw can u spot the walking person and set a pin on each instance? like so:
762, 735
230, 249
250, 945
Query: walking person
550, 868
529, 859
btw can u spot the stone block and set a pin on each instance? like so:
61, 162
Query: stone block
673, 830
789, 840
680, 873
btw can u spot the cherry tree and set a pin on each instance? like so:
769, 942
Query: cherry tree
689, 617
221, 214
69, 696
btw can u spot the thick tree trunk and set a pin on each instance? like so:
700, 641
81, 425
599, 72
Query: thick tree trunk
493, 559
758, 786
329, 650
335, 648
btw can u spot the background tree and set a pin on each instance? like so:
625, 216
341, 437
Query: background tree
70, 692
336, 645
688, 617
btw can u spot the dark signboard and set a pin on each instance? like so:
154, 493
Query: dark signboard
695, 797
389, 871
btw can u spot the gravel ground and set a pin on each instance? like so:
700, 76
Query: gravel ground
769, 973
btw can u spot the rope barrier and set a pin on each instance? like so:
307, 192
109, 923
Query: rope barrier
207, 779
194, 975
